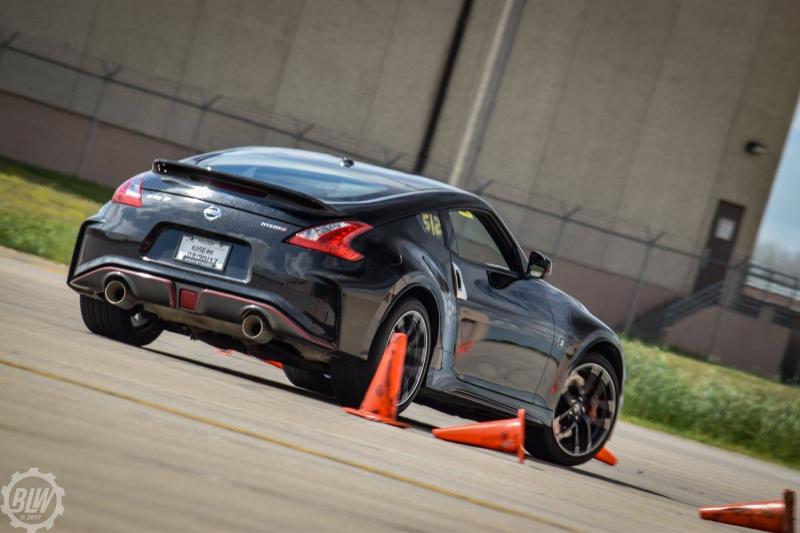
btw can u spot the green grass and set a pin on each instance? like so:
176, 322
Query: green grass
712, 404
40, 212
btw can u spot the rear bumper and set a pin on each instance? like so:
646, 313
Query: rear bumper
124, 242
260, 266
208, 308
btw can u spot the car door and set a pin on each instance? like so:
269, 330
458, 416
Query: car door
505, 327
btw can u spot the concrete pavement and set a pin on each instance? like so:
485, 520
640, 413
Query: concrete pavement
176, 437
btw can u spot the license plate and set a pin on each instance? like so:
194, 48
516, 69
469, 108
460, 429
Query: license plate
202, 252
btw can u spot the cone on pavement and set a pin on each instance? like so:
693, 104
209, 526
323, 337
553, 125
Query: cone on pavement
380, 401
605, 456
777, 515
504, 435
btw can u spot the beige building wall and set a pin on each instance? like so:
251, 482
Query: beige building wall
364, 69
634, 111
640, 112
55, 140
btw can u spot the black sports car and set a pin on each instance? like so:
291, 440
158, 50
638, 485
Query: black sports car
314, 260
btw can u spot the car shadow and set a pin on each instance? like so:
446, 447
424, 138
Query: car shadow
245, 376
275, 384
617, 482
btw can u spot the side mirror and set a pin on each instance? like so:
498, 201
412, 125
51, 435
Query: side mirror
539, 265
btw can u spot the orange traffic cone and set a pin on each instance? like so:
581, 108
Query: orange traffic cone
605, 456
777, 516
504, 435
380, 402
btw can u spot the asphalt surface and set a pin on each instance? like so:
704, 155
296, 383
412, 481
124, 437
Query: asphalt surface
177, 437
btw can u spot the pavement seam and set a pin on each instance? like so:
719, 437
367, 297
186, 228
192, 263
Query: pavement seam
291, 446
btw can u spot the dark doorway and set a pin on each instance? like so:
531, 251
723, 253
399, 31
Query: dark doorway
790, 367
720, 244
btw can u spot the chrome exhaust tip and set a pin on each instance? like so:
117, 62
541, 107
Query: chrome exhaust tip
255, 329
117, 293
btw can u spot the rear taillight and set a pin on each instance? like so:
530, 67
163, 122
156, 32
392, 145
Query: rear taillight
130, 192
333, 238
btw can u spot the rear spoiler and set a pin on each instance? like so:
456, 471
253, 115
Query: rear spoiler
166, 166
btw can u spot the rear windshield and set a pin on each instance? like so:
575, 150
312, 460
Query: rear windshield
298, 175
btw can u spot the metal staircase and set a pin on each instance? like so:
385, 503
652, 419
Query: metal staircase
705, 297
650, 325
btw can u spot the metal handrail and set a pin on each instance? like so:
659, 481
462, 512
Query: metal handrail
701, 299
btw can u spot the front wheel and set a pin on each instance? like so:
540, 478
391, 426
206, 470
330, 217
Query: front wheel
584, 416
351, 377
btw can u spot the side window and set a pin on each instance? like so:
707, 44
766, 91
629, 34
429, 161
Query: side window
432, 225
473, 240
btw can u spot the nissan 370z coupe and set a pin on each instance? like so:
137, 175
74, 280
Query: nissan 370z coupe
315, 260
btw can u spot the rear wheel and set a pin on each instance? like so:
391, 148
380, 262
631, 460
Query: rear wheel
584, 416
133, 327
308, 379
351, 377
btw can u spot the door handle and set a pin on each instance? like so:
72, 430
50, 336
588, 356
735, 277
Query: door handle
461, 289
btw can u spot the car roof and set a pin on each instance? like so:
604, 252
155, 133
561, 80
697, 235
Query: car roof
309, 164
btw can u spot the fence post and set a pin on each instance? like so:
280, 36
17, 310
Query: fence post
302, 134
637, 292
482, 187
4, 46
564, 219
203, 108
725, 299
107, 77
393, 161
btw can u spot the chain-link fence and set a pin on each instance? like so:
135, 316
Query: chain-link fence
639, 279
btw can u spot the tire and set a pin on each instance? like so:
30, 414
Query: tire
104, 319
308, 379
350, 377
542, 442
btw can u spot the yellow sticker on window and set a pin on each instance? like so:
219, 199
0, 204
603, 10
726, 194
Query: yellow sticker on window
426, 222
437, 226
431, 224
467, 214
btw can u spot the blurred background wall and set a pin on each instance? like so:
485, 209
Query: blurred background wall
634, 141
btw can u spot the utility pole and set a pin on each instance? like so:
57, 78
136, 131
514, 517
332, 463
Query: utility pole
482, 106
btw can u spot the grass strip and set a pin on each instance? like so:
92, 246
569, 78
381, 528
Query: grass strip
40, 211
712, 403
